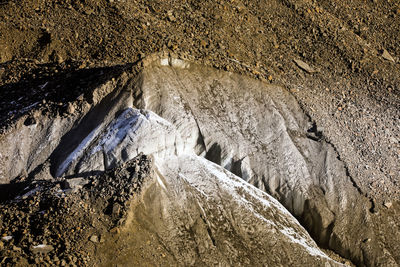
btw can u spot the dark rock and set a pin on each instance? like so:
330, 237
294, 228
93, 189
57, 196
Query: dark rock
116, 209
75, 183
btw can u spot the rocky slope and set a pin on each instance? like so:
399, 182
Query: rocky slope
323, 140
350, 49
251, 129
199, 212
204, 215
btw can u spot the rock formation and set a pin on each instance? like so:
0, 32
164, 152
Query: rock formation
205, 129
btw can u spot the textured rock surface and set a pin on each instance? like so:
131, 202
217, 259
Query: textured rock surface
204, 215
132, 132
35, 136
351, 45
253, 130
260, 133
27, 146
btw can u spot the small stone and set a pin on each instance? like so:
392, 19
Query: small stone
115, 230
1, 245
304, 66
116, 209
7, 238
59, 59
80, 97
171, 16
94, 239
88, 11
75, 183
388, 204
42, 248
71, 108
387, 56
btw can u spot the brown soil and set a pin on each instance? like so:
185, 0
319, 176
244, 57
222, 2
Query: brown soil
53, 52
74, 222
